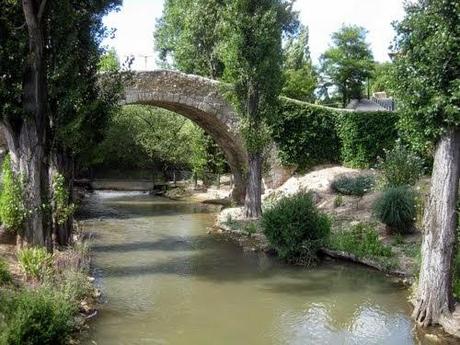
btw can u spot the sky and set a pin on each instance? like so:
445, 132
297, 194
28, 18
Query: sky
135, 23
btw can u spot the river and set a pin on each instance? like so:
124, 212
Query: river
166, 281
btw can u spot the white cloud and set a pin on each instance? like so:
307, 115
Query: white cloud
136, 21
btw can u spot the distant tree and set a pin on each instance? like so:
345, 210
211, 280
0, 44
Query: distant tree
382, 79
348, 63
109, 61
253, 66
427, 86
187, 36
300, 78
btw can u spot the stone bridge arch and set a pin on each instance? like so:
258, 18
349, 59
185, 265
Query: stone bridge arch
199, 100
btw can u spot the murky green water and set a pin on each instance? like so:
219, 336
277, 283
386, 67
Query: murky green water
167, 282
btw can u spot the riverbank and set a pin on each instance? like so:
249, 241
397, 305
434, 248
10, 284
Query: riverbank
52, 292
345, 212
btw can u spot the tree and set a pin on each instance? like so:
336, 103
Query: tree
79, 102
25, 119
300, 79
381, 80
427, 85
348, 63
253, 62
109, 61
49, 94
188, 36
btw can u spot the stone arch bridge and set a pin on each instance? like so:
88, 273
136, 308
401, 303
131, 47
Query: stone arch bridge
199, 100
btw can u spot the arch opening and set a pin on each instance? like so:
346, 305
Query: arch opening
197, 99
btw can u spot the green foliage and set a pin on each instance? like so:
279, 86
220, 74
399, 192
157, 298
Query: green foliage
382, 78
152, 138
365, 135
361, 240
308, 134
12, 210
353, 185
295, 228
5, 275
348, 63
36, 263
396, 208
253, 60
79, 100
338, 201
62, 209
305, 134
188, 34
426, 74
250, 228
300, 77
109, 62
36, 317
400, 167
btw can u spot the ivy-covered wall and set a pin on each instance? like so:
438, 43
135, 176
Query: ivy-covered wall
308, 134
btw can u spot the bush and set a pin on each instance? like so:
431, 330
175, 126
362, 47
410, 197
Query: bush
353, 185
400, 167
361, 240
12, 211
295, 228
365, 135
396, 208
35, 262
5, 276
305, 134
36, 317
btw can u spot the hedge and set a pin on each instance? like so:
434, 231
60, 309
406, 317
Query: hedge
308, 134
365, 135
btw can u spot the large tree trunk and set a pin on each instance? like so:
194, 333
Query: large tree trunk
434, 292
61, 163
253, 201
29, 162
27, 140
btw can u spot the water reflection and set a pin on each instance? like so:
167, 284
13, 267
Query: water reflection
167, 282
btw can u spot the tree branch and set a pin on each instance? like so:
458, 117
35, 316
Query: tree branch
41, 11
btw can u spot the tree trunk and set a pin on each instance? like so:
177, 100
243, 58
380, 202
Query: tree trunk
253, 201
434, 292
61, 163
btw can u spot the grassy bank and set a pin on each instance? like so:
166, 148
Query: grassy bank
44, 298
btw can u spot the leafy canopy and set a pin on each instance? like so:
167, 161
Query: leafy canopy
427, 71
348, 62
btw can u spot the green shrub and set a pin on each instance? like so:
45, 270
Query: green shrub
72, 284
35, 262
365, 135
400, 167
295, 228
12, 211
338, 201
305, 134
62, 208
5, 275
36, 317
396, 208
361, 240
353, 185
